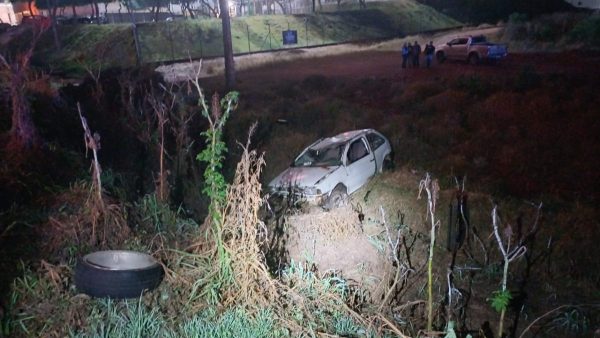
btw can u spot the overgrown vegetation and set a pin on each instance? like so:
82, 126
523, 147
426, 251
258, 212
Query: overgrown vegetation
553, 32
217, 280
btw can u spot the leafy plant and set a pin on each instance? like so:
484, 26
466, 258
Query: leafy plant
160, 216
215, 185
500, 300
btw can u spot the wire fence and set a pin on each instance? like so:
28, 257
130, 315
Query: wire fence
181, 40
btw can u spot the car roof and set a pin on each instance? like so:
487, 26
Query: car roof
342, 137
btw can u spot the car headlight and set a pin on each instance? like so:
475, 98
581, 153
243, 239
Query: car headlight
311, 191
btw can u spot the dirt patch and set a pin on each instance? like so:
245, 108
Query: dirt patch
356, 240
336, 240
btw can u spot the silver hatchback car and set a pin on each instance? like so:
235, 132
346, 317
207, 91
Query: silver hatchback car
330, 169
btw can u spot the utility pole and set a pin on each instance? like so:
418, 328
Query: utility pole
227, 45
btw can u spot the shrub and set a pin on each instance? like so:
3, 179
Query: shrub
587, 31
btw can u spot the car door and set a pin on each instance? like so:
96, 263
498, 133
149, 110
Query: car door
359, 164
379, 148
457, 48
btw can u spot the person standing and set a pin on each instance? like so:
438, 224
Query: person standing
429, 50
405, 53
416, 53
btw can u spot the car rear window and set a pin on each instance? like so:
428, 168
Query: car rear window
478, 39
375, 141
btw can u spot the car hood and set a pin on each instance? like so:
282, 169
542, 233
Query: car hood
301, 176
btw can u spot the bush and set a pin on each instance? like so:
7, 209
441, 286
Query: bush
517, 18
587, 31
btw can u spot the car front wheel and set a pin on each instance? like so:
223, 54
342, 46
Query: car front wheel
337, 198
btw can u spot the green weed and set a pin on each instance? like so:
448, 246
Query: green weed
572, 321
232, 323
500, 300
109, 318
161, 217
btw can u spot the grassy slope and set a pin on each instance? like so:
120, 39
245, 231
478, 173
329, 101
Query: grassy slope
112, 45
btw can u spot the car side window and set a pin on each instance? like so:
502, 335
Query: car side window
375, 141
462, 41
453, 42
357, 151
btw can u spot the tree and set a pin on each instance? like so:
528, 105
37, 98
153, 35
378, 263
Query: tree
23, 134
227, 45
51, 6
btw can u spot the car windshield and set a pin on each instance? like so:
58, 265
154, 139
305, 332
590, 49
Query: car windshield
330, 155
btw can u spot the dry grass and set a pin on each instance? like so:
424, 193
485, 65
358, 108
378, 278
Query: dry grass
83, 225
331, 225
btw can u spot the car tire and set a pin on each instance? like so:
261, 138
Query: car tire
440, 56
337, 198
117, 274
473, 59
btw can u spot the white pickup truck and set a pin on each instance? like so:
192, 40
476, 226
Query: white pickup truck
472, 49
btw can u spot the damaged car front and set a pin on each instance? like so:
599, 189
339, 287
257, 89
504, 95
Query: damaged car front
313, 174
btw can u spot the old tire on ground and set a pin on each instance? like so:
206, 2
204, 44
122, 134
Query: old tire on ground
337, 198
117, 274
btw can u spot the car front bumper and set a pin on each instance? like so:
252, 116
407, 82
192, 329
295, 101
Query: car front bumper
300, 196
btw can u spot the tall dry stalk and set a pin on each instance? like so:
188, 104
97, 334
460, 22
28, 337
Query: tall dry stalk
509, 254
92, 142
110, 216
394, 246
245, 233
432, 188
162, 108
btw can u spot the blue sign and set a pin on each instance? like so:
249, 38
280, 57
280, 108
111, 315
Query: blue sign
290, 37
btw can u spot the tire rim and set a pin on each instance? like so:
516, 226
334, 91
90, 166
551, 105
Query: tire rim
120, 260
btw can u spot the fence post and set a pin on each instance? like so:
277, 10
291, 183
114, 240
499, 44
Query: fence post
201, 49
270, 46
170, 39
306, 30
248, 34
138, 55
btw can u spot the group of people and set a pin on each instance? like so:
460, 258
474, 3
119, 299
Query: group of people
411, 54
